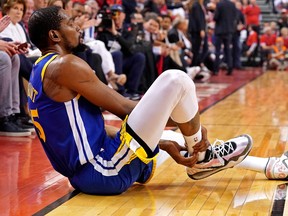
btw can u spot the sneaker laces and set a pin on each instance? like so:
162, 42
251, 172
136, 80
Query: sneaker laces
220, 148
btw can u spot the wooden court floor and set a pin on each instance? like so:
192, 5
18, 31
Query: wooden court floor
258, 108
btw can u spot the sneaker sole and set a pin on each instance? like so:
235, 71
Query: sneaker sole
15, 134
234, 161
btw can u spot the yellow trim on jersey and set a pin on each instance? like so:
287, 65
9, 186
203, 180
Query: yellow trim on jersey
46, 65
77, 96
40, 58
126, 139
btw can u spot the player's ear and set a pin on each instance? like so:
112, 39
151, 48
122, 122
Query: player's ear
54, 35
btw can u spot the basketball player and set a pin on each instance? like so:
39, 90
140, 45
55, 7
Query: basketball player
65, 98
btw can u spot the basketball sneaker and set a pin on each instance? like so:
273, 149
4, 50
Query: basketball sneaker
277, 167
221, 156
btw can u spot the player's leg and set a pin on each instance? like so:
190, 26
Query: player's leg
272, 167
173, 95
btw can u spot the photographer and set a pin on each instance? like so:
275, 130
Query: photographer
117, 40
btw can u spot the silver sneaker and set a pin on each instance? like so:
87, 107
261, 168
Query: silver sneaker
221, 156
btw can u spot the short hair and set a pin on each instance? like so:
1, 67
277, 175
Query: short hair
10, 3
151, 15
166, 16
41, 22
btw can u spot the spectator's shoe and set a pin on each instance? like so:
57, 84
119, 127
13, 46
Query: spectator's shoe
193, 71
8, 128
23, 122
222, 156
277, 167
203, 76
132, 96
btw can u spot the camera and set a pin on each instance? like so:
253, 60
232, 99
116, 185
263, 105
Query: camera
106, 15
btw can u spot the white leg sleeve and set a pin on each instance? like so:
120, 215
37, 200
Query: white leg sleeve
171, 95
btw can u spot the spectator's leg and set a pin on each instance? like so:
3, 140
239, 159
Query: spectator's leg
15, 83
118, 61
133, 67
6, 85
218, 42
227, 52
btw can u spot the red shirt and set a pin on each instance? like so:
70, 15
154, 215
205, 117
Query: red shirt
112, 2
252, 13
252, 38
268, 39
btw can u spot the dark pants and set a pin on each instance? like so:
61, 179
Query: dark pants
199, 48
133, 67
236, 51
118, 61
224, 39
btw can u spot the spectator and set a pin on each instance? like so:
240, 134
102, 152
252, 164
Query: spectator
130, 7
176, 35
166, 22
274, 28
40, 4
225, 18
118, 39
252, 13
94, 7
156, 6
197, 31
283, 20
15, 32
29, 10
93, 59
58, 3
277, 60
9, 92
15, 9
284, 35
98, 47
251, 44
236, 44
267, 41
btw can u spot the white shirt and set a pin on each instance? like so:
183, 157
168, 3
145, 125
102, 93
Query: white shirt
14, 32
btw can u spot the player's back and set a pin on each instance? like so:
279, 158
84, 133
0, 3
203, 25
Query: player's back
71, 132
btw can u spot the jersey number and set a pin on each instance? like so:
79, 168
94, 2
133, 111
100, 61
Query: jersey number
34, 114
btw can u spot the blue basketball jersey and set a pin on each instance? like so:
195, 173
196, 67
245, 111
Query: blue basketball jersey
72, 132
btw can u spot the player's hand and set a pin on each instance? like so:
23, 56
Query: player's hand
204, 143
174, 149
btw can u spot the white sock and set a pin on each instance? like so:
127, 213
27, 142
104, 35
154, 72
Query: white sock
192, 141
257, 164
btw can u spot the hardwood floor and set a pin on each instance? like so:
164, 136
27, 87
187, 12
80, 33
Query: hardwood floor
29, 184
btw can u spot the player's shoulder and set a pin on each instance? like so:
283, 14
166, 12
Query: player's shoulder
69, 62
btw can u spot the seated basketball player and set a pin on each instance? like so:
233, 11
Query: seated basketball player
65, 98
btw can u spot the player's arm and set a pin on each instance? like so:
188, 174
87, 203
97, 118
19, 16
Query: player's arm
76, 75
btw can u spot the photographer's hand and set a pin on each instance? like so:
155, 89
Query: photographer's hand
90, 23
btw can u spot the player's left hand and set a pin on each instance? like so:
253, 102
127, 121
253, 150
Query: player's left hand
174, 149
